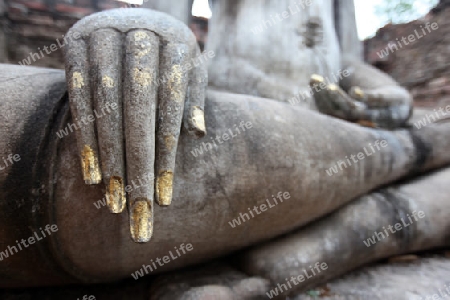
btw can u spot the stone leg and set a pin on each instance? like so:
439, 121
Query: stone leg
399, 220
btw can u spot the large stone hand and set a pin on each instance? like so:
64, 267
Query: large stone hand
367, 96
129, 74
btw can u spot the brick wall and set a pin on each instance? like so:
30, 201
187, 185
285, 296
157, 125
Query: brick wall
422, 66
27, 26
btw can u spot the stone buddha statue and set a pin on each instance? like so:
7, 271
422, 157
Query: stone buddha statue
107, 147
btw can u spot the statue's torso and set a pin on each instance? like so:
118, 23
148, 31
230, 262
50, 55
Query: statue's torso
281, 42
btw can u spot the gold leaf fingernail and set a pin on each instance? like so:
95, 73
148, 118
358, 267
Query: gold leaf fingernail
89, 164
164, 187
333, 87
359, 93
115, 195
198, 119
316, 79
141, 221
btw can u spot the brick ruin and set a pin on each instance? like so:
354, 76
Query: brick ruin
422, 66
27, 26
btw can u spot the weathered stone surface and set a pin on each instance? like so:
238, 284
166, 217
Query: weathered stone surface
426, 277
420, 224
